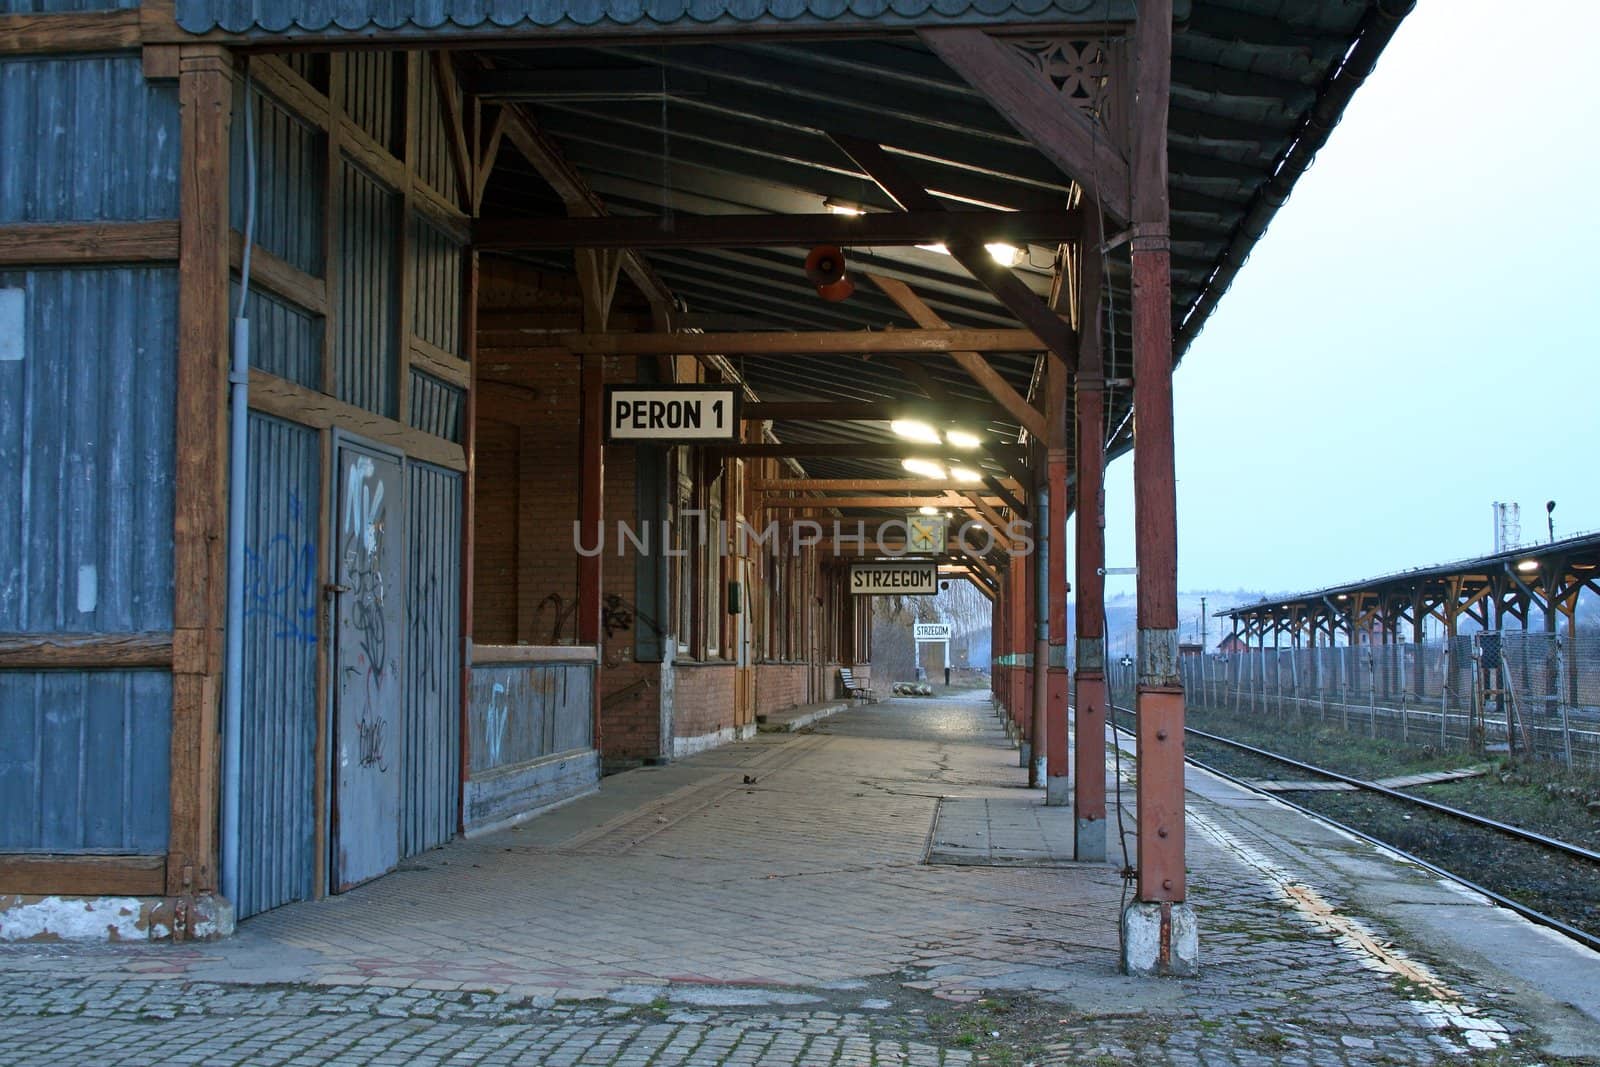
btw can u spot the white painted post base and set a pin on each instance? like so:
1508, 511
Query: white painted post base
1090, 844
1160, 940
1024, 753
1036, 774
56, 918
1058, 791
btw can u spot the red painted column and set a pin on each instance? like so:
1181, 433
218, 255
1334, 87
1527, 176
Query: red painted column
591, 497
1039, 633
1000, 648
1018, 626
1024, 644
1159, 937
1089, 701
997, 646
1057, 782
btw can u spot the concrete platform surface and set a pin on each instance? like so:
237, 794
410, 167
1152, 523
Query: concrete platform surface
799, 717
769, 903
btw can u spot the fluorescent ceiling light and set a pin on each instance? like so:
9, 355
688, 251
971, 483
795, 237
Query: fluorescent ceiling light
925, 467
1002, 253
1528, 565
961, 439
839, 207
965, 474
913, 430
927, 510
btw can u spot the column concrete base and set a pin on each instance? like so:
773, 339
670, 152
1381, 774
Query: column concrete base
1090, 844
203, 917
1036, 773
1160, 940
1058, 791
1024, 753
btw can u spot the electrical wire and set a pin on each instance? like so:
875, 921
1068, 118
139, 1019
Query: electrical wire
666, 148
1129, 872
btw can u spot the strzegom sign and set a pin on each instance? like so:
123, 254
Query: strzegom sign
911, 578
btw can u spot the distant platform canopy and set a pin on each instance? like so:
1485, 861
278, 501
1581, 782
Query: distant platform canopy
1519, 584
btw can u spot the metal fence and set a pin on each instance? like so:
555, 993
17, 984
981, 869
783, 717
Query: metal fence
1509, 691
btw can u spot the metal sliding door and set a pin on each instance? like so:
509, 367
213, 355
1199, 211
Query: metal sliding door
369, 644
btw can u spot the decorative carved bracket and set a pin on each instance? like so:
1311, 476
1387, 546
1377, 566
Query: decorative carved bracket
1089, 74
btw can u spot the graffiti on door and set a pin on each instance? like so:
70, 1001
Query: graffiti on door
363, 546
280, 582
369, 535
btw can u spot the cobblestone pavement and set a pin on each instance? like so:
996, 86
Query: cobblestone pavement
768, 903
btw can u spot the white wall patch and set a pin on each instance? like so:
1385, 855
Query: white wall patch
88, 588
13, 324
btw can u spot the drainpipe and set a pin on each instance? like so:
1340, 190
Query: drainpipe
1041, 637
238, 475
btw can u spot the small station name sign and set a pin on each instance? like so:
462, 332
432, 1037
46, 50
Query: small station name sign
911, 578
671, 413
932, 631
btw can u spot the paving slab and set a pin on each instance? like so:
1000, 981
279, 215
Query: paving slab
798, 718
770, 902
1011, 831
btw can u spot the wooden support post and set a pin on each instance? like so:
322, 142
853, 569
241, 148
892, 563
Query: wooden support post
1022, 651
1161, 880
469, 492
591, 517
1039, 626
1057, 784
205, 96
997, 646
1089, 684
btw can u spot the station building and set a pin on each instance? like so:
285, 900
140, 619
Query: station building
308, 318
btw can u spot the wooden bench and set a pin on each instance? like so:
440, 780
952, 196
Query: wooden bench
858, 683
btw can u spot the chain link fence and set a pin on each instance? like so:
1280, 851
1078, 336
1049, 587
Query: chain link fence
1515, 691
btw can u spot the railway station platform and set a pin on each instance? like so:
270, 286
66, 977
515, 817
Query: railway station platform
880, 887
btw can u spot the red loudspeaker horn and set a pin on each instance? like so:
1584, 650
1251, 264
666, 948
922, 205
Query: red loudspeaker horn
825, 265
836, 291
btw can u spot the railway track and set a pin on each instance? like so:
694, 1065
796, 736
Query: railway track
1496, 873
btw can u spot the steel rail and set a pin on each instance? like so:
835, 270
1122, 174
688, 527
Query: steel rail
1531, 914
1554, 843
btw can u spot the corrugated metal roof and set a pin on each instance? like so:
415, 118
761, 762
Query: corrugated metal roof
444, 16
1254, 91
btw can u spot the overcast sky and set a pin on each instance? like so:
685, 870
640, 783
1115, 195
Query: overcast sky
1416, 335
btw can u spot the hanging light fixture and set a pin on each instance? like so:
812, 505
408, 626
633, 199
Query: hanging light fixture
915, 430
962, 439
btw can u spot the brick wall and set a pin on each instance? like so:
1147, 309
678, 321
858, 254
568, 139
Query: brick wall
630, 713
494, 573
782, 685
704, 699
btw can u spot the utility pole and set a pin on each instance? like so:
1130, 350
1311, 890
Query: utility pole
1203, 645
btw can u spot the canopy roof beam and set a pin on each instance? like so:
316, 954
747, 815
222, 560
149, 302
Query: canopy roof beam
794, 342
993, 382
774, 230
1025, 98
1058, 336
